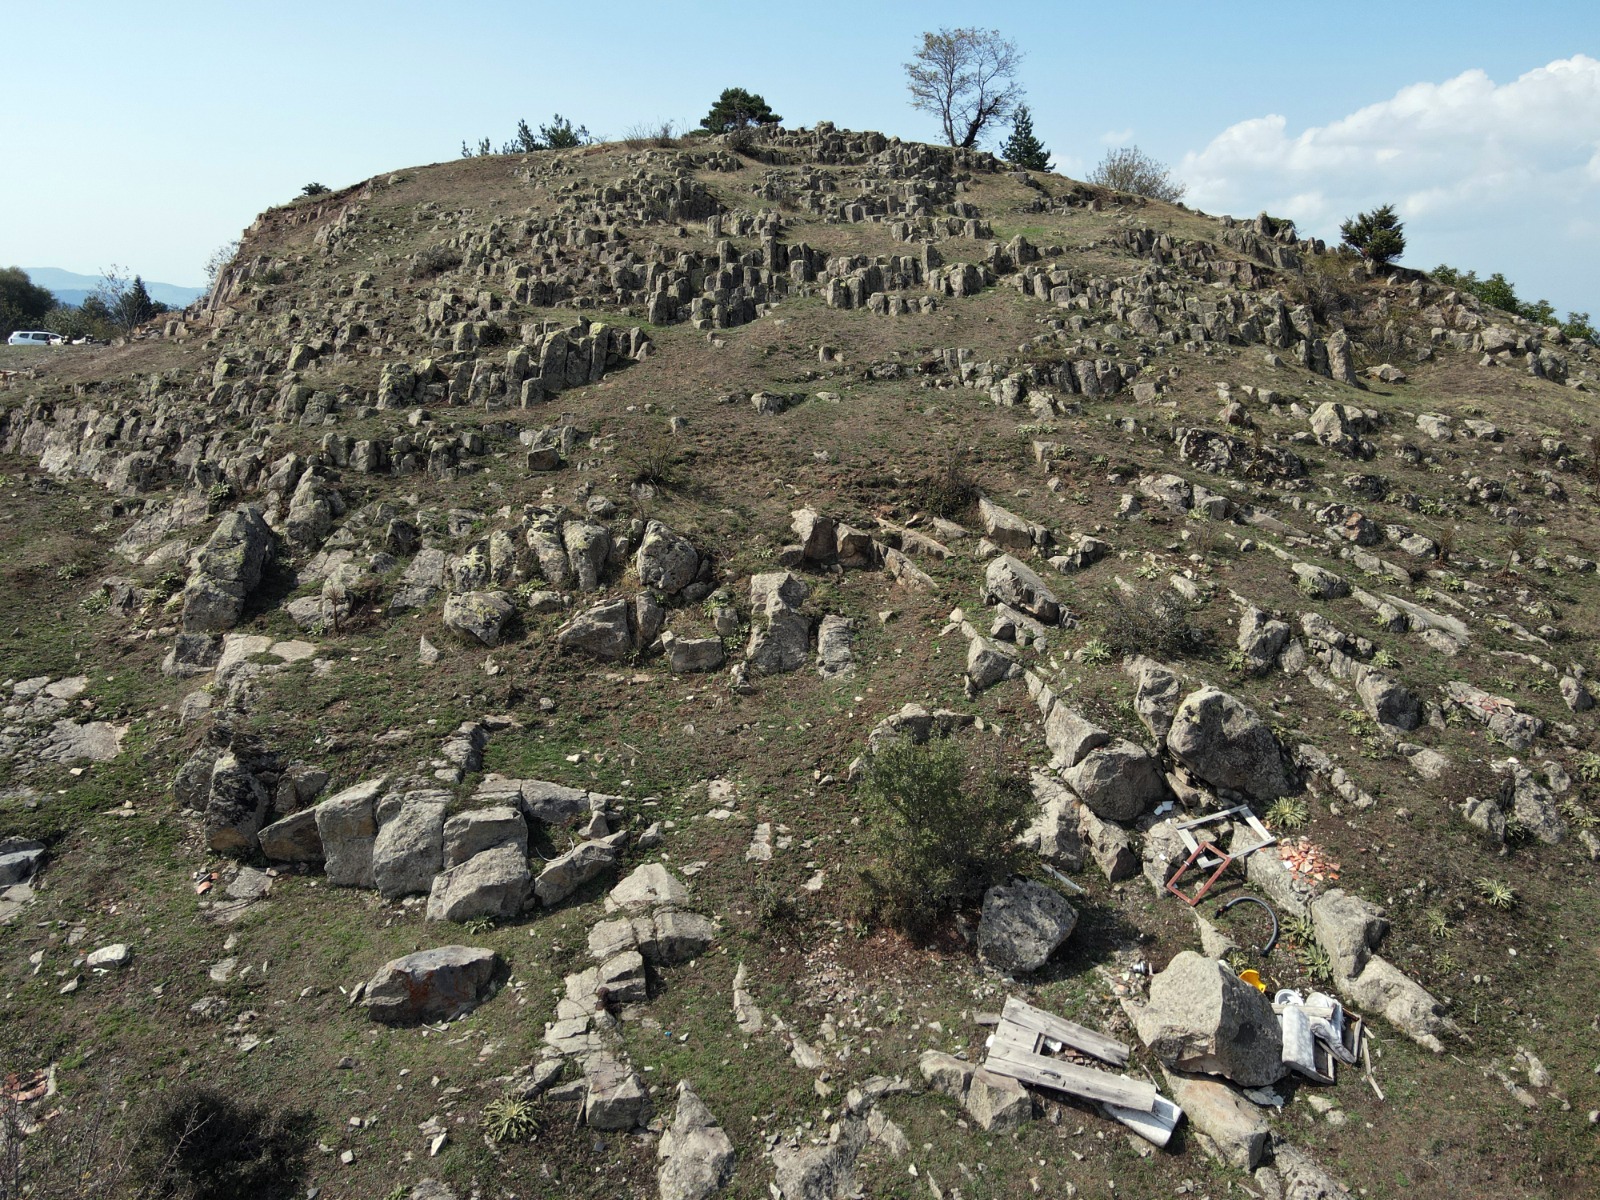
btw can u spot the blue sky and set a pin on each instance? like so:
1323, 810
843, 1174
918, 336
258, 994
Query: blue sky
159, 131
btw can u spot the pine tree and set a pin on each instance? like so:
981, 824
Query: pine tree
1378, 236
738, 109
1023, 149
134, 307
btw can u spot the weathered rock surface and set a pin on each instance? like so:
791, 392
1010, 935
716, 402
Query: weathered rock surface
431, 985
347, 824
294, 839
604, 631
696, 1155
1118, 781
615, 1096
667, 562
1203, 1018
1010, 581
780, 637
409, 848
481, 616
1231, 1128
568, 872
1227, 745
227, 569
493, 883
479, 829
236, 807
1022, 925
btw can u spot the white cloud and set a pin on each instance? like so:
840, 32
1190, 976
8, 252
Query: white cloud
1488, 176
1117, 137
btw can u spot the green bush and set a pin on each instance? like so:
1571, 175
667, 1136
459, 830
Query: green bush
943, 826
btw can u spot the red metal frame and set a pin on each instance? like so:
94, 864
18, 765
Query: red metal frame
1202, 848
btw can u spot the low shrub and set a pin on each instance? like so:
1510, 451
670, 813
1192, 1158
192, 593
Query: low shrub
1154, 622
201, 1144
949, 490
943, 824
435, 260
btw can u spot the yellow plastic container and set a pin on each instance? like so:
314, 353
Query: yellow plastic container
1253, 978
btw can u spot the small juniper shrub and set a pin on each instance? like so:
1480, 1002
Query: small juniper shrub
943, 823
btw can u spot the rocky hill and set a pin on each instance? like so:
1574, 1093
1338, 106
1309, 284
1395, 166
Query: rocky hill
440, 674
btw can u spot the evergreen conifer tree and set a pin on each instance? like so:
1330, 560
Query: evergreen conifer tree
1378, 236
1023, 148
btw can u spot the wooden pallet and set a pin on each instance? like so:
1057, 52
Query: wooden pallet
1068, 1033
1016, 1051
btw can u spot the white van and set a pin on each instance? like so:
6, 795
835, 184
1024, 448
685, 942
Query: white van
34, 337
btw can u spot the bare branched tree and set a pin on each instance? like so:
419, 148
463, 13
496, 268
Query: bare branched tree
1130, 169
965, 78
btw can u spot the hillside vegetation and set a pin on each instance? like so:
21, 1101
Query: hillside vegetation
555, 561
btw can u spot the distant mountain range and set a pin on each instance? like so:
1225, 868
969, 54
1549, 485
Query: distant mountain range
68, 287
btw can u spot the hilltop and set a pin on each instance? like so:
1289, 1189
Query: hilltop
531, 555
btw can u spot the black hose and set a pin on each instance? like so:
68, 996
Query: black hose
1267, 908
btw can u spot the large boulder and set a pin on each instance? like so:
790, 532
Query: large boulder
1053, 832
347, 825
997, 1102
1203, 1018
1348, 928
431, 985
674, 936
1010, 581
553, 803
783, 642
227, 569
1386, 700
615, 1097
1230, 1127
409, 849
1383, 988
666, 561
1005, 528
819, 538
647, 887
691, 656
482, 616
493, 883
604, 631
1117, 781
1261, 637
1022, 925
19, 859
1227, 745
696, 1155
588, 547
236, 807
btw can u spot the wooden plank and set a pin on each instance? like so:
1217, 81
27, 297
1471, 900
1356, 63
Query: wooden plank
1026, 1067
1156, 1126
1069, 1033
